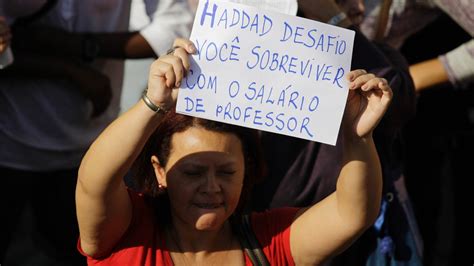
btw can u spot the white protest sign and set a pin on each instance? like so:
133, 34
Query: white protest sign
268, 71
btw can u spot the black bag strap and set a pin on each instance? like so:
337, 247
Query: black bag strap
250, 244
24, 21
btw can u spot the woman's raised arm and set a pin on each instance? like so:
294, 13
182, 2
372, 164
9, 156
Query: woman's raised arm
104, 208
331, 225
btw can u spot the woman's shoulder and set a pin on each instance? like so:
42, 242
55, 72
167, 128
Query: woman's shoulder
142, 242
272, 229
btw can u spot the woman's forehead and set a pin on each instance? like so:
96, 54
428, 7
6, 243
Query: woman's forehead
201, 147
197, 139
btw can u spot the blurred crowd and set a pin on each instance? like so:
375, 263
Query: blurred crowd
69, 68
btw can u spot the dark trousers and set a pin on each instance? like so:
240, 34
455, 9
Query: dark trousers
52, 199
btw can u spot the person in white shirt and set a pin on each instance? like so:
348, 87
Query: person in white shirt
60, 92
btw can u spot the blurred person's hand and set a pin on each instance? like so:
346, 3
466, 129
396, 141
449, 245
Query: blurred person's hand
5, 35
94, 86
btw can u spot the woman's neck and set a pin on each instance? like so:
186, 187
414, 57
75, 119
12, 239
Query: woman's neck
189, 239
189, 246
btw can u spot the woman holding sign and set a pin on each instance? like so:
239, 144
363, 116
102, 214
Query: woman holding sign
195, 176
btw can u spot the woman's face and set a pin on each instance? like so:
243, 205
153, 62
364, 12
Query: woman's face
204, 177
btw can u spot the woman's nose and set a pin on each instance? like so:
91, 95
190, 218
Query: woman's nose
212, 184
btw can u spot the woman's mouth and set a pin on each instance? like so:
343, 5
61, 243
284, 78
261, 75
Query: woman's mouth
208, 205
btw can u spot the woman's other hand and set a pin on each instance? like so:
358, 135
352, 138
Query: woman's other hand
368, 100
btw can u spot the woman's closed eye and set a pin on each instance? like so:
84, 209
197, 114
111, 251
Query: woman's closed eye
197, 173
193, 171
226, 172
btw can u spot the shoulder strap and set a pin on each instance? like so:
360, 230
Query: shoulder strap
23, 21
250, 244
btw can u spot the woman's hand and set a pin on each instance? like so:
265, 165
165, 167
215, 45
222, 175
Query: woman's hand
167, 72
5, 35
369, 98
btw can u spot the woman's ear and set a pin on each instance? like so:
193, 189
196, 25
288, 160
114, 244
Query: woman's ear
159, 171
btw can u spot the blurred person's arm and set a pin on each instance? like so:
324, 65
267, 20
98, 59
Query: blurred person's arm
171, 19
456, 67
458, 64
88, 46
428, 73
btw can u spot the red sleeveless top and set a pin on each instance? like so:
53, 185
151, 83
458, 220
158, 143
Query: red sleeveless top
140, 246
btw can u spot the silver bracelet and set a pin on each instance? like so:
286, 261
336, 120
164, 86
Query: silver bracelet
155, 108
337, 19
171, 50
